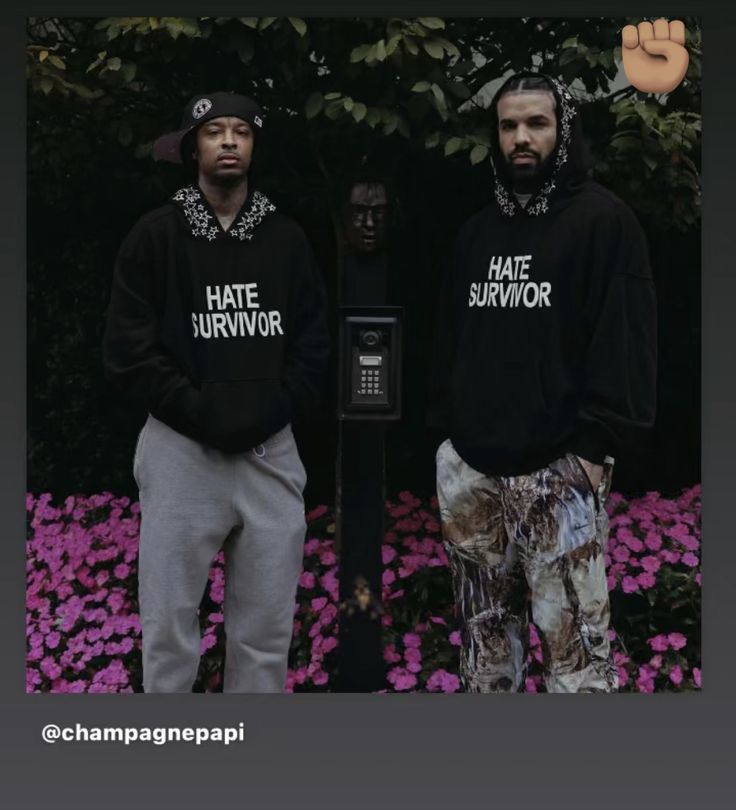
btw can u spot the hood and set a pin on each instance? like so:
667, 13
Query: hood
567, 168
203, 222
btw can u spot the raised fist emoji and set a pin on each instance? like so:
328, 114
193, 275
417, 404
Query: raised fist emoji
655, 58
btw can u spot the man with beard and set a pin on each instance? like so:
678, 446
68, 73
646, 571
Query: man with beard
547, 366
217, 324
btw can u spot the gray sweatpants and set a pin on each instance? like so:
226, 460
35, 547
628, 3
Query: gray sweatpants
194, 501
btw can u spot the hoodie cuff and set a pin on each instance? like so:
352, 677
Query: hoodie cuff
593, 444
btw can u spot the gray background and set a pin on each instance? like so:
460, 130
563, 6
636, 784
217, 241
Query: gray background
392, 751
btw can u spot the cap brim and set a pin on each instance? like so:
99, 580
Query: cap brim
168, 147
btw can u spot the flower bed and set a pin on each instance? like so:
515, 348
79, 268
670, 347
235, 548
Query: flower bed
84, 634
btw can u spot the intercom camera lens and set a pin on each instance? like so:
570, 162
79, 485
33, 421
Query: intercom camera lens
370, 338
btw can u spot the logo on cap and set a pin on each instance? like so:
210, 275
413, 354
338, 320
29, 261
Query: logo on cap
201, 107
257, 121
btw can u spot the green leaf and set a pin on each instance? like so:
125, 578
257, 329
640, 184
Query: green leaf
334, 109
264, 22
449, 47
332, 96
381, 50
43, 56
348, 103
251, 22
46, 85
452, 145
625, 142
411, 46
439, 97
650, 162
299, 25
129, 70
358, 54
432, 140
478, 153
460, 90
570, 42
359, 111
434, 23
114, 63
314, 104
433, 48
56, 62
373, 117
392, 44
421, 87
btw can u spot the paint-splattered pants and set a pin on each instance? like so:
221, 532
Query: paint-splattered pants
534, 539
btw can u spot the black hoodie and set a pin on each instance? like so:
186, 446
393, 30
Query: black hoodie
221, 334
547, 329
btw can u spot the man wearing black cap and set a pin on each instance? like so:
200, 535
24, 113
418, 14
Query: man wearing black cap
547, 366
217, 323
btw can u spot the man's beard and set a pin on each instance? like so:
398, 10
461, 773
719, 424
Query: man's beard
526, 178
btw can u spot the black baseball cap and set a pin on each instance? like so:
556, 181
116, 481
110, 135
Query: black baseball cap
204, 108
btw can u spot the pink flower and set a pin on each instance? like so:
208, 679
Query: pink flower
401, 679
653, 541
620, 554
689, 559
441, 680
697, 677
659, 643
388, 577
412, 654
320, 678
437, 620
121, 571
455, 638
318, 603
412, 640
390, 655
676, 640
645, 681
52, 640
676, 675
650, 564
629, 585
316, 513
646, 580
530, 685
388, 553
311, 547
306, 580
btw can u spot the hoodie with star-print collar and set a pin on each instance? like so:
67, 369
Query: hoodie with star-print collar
222, 334
548, 326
